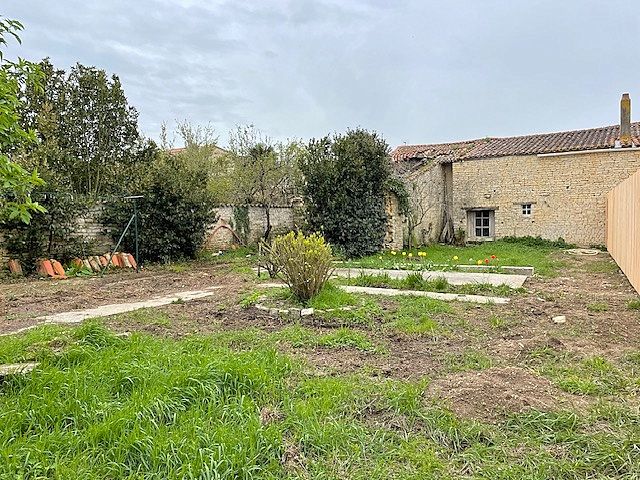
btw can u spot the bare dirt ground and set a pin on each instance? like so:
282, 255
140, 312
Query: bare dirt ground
590, 291
23, 301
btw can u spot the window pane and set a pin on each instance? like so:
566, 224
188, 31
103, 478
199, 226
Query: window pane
478, 232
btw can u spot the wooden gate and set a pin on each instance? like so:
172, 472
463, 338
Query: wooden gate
623, 227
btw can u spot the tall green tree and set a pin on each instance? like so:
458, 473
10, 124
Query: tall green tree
94, 127
16, 183
344, 188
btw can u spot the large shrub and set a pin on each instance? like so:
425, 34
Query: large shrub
174, 214
344, 187
304, 261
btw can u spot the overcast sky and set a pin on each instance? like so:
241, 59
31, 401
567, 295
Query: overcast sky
415, 71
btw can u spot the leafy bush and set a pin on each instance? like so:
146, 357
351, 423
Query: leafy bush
345, 179
52, 234
305, 263
174, 214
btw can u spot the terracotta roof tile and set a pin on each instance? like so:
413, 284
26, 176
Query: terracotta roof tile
590, 139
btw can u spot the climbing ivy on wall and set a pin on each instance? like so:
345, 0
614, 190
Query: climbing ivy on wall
397, 187
241, 222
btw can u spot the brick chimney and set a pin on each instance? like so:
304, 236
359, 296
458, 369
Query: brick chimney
625, 120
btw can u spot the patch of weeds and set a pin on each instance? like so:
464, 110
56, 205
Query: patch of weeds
241, 340
468, 360
590, 376
372, 281
347, 338
600, 266
633, 358
145, 316
95, 334
412, 315
178, 301
366, 314
440, 284
634, 304
498, 322
414, 281
423, 325
332, 296
546, 427
180, 267
31, 344
598, 307
250, 299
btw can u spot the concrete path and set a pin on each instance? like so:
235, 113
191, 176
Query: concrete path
454, 278
447, 297
77, 316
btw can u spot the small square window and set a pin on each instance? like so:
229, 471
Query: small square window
526, 209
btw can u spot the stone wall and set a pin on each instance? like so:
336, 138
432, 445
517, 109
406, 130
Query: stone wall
93, 233
228, 231
394, 235
427, 192
567, 192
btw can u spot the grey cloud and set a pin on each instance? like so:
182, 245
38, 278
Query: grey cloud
416, 71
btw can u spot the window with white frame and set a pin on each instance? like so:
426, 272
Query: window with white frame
527, 209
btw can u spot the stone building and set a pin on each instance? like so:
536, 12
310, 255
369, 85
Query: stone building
553, 185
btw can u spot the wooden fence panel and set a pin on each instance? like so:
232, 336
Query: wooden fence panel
623, 227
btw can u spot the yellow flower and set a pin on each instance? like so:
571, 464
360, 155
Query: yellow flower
379, 258
404, 254
455, 257
411, 254
393, 252
479, 262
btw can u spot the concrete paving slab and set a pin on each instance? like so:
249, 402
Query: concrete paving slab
78, 316
447, 297
17, 368
454, 278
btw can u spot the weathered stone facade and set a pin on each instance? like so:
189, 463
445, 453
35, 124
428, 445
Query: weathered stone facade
552, 185
567, 192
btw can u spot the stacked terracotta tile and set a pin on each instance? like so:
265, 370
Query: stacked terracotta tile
54, 269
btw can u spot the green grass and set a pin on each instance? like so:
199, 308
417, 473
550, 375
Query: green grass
507, 253
634, 304
598, 307
145, 316
329, 297
468, 360
333, 297
592, 376
414, 316
600, 266
341, 338
201, 407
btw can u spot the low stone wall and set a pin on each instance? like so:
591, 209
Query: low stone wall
235, 225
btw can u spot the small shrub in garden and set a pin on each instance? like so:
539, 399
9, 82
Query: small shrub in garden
304, 261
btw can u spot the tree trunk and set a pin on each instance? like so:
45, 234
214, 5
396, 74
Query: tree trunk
267, 231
